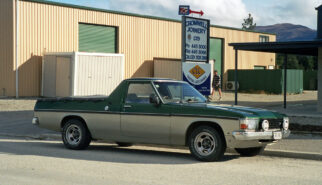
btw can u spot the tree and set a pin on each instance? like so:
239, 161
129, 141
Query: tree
249, 23
296, 62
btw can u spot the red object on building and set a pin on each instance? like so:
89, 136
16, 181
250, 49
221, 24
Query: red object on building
196, 12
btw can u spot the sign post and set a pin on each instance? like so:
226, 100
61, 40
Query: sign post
196, 69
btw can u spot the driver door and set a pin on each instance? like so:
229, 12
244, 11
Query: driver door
141, 120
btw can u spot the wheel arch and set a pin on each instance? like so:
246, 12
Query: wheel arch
77, 117
196, 124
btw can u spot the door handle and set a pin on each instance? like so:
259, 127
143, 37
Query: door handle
127, 106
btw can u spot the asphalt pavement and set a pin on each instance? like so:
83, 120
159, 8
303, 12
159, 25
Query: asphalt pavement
18, 124
29, 161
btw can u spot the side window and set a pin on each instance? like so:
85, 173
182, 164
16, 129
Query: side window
139, 93
263, 38
176, 91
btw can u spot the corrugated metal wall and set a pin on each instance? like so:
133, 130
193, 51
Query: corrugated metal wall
81, 74
7, 39
51, 28
294, 81
99, 39
167, 68
97, 75
270, 81
310, 80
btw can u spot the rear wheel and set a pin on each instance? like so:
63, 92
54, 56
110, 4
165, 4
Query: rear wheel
206, 144
249, 152
75, 135
121, 144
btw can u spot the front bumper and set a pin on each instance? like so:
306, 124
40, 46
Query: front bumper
267, 135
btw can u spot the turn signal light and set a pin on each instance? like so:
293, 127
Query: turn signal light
243, 126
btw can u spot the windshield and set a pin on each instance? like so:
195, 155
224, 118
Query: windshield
176, 92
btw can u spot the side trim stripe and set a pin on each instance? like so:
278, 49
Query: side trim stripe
136, 113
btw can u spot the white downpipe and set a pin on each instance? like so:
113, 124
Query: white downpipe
17, 41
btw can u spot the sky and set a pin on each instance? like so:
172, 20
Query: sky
220, 12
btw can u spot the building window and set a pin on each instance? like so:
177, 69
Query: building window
271, 67
260, 67
97, 38
263, 38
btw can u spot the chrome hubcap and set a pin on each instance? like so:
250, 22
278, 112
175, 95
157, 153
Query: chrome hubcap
204, 143
73, 134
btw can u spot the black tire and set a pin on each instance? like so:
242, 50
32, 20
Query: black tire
121, 144
249, 152
75, 135
208, 135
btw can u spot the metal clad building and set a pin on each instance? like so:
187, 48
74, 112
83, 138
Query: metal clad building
54, 27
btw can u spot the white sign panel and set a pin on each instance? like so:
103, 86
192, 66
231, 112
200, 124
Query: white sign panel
196, 39
198, 75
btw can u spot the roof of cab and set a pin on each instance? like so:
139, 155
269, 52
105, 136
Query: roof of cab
151, 79
147, 78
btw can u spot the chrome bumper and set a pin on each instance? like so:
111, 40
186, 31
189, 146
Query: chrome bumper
35, 121
268, 135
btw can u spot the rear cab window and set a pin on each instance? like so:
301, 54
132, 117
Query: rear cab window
139, 93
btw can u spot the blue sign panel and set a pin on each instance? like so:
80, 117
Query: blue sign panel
184, 9
198, 75
195, 39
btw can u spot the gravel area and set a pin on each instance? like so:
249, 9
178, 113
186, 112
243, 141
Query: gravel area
7, 104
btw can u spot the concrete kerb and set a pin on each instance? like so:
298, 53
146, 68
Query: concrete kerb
293, 154
287, 154
306, 120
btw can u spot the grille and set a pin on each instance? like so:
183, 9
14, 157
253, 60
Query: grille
273, 123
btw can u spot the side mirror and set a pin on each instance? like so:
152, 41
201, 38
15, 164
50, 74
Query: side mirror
154, 99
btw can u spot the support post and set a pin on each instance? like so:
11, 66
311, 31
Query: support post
17, 47
236, 75
319, 105
285, 79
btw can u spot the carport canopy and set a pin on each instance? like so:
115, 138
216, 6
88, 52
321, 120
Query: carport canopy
309, 48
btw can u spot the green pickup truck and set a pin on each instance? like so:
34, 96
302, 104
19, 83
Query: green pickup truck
161, 111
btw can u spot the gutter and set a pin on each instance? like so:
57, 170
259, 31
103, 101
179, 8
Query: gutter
17, 41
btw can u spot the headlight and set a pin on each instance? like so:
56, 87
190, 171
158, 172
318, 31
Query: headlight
249, 123
286, 123
265, 125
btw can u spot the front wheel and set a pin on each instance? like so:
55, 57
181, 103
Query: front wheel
75, 135
206, 144
249, 152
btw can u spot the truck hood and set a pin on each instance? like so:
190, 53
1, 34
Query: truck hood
247, 111
230, 110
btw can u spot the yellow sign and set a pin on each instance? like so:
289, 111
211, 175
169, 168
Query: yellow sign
197, 71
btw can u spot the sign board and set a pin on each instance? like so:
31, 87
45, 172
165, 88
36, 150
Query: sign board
184, 9
195, 39
198, 75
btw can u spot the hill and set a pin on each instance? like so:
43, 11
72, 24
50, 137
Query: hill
289, 32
